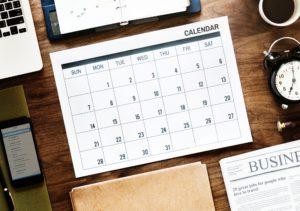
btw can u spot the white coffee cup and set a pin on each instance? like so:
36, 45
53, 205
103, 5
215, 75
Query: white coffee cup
294, 17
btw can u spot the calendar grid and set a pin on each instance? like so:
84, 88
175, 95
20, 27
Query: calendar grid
161, 97
182, 92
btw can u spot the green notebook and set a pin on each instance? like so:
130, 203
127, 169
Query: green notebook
32, 198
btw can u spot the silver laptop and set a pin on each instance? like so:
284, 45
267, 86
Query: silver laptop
19, 49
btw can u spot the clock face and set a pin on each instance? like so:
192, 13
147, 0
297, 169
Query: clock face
287, 80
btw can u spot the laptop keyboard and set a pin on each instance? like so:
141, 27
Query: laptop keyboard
11, 18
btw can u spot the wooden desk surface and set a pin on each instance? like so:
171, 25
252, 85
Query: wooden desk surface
251, 36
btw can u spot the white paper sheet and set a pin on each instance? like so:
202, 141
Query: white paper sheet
76, 15
135, 9
151, 97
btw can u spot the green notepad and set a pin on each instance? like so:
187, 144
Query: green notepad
32, 198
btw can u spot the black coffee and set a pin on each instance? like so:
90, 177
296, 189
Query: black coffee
278, 11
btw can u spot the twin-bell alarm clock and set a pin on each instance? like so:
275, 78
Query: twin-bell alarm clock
285, 73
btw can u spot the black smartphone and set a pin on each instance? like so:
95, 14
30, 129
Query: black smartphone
19, 145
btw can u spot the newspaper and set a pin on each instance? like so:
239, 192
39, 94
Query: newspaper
266, 179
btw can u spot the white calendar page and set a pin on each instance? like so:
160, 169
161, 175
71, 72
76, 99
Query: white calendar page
151, 97
76, 15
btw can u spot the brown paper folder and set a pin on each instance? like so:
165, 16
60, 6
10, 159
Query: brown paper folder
179, 188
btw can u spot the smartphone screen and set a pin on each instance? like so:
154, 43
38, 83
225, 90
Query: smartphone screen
21, 154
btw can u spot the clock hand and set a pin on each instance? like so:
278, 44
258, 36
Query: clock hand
294, 79
291, 89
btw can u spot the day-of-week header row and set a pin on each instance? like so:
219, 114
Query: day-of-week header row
143, 57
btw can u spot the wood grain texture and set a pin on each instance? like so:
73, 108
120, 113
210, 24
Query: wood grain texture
251, 36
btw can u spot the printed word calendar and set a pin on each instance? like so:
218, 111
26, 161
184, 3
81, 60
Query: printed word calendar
151, 97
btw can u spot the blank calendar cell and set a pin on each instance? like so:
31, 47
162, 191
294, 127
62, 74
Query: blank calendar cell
111, 135
216, 76
175, 104
85, 122
187, 48
130, 113
77, 86
149, 90
126, 95
213, 57
160, 144
89, 140
194, 80
145, 72
97, 67
134, 131
153, 108
137, 149
171, 85
202, 117
92, 158
115, 154
205, 135
100, 81
167, 67
179, 122
224, 112
190, 62
210, 43
142, 58
183, 140
228, 130
119, 62
108, 117
220, 94
156, 126
104, 99
122, 76
198, 99
164, 53
81, 104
